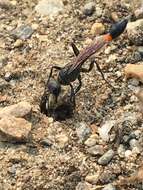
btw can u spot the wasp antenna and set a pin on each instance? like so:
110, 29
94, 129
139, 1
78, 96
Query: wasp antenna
118, 28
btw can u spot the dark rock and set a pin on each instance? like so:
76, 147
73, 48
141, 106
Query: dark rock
23, 32
106, 158
89, 8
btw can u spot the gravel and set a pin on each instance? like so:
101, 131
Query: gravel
62, 160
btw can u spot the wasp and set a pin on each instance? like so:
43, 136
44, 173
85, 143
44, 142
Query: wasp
72, 71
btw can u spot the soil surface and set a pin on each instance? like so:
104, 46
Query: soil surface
56, 156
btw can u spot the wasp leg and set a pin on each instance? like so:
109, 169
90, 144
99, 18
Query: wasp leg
72, 96
80, 84
75, 49
43, 107
54, 67
84, 70
99, 69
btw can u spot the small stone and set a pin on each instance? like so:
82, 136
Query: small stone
105, 129
135, 146
96, 150
8, 76
62, 140
140, 50
46, 142
91, 141
89, 8
139, 12
99, 11
14, 129
121, 151
14, 3
18, 110
23, 32
115, 16
50, 8
118, 73
83, 186
35, 26
108, 50
106, 158
109, 187
135, 32
139, 95
83, 132
88, 41
18, 43
5, 4
128, 153
134, 71
93, 179
97, 29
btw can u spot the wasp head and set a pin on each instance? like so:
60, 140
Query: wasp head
54, 89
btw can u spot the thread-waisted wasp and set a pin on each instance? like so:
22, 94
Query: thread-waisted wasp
72, 71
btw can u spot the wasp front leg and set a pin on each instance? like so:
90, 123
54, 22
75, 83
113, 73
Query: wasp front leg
80, 84
75, 49
72, 95
43, 104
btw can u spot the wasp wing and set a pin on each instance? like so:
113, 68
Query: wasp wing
87, 52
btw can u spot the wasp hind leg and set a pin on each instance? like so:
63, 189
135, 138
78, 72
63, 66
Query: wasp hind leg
80, 84
99, 69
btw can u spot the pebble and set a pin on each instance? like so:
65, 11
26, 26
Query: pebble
139, 95
93, 179
46, 142
14, 129
115, 16
62, 140
135, 32
91, 141
96, 150
99, 11
18, 110
23, 32
8, 76
105, 129
128, 153
18, 43
106, 158
121, 151
139, 13
5, 4
50, 8
140, 50
89, 8
83, 186
109, 187
134, 71
97, 29
83, 131
135, 146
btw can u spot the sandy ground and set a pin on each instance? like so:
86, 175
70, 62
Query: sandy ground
64, 167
